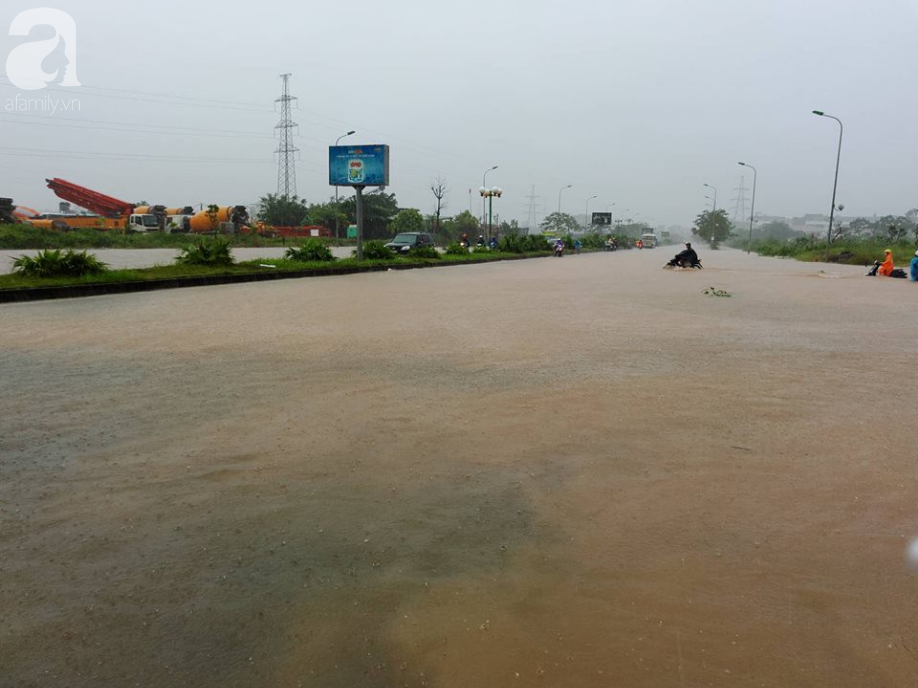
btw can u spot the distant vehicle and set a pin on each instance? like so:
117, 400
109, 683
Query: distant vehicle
143, 222
650, 240
403, 243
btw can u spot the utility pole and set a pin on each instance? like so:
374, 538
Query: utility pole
532, 220
286, 150
841, 133
755, 182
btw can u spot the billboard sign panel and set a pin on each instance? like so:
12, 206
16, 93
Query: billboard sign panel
358, 165
602, 219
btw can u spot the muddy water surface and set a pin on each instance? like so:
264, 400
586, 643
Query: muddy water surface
577, 472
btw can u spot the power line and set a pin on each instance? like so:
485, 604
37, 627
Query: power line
192, 101
91, 155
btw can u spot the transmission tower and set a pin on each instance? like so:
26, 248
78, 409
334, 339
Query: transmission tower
286, 150
739, 209
533, 220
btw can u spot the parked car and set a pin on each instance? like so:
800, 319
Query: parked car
403, 243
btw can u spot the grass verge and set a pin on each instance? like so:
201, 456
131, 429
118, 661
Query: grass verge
19, 236
168, 272
844, 252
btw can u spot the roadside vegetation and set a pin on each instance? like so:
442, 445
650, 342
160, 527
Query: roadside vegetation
213, 257
850, 252
859, 242
21, 236
58, 263
215, 251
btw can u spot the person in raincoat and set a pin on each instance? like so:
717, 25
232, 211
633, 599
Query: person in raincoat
913, 268
888, 266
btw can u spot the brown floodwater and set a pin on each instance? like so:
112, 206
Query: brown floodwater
579, 472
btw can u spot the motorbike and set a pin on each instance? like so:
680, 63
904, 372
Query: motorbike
559, 250
678, 262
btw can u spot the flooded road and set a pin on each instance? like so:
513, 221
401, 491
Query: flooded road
579, 472
126, 258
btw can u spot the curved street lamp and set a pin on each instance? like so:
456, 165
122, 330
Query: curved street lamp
337, 232
755, 179
563, 188
715, 195
841, 133
586, 218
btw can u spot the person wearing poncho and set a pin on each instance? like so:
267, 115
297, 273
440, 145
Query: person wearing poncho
888, 266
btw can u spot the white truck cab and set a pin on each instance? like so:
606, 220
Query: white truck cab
650, 240
143, 223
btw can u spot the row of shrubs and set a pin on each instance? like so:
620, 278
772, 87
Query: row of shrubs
218, 252
58, 263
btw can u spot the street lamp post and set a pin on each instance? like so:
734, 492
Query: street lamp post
755, 179
715, 195
841, 133
559, 196
484, 184
488, 195
586, 218
337, 231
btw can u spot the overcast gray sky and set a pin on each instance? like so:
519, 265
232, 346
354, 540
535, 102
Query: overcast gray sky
637, 102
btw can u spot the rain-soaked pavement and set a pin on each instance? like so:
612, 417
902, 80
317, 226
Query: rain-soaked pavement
578, 472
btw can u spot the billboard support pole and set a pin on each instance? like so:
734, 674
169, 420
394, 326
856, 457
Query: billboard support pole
359, 192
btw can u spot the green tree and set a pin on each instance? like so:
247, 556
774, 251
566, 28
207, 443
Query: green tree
713, 227
408, 220
379, 209
509, 228
282, 211
463, 223
212, 213
326, 214
559, 223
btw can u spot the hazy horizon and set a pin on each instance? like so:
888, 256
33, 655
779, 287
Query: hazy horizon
638, 103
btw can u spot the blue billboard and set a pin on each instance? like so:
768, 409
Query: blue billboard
358, 165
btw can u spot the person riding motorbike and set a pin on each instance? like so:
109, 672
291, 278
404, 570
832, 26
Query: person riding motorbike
464, 241
886, 269
559, 248
481, 240
686, 259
